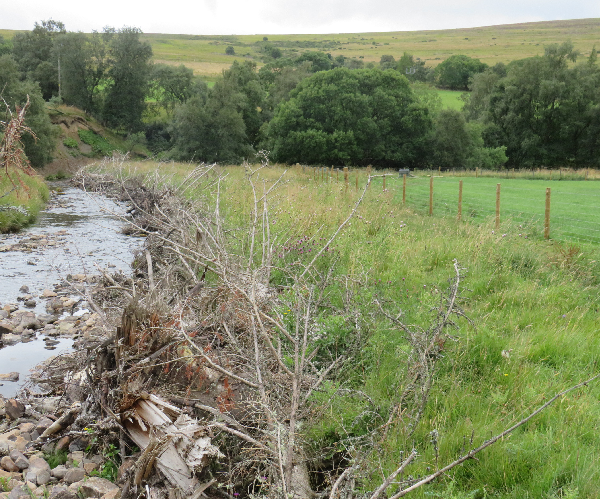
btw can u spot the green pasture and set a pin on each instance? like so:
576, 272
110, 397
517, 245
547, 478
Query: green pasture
451, 99
574, 214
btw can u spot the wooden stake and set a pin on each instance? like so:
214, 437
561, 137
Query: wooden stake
460, 200
384, 183
356, 180
337, 174
476, 172
404, 189
547, 215
497, 206
346, 177
431, 195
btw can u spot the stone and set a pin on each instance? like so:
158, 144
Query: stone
26, 427
89, 467
20, 492
14, 409
14, 376
62, 444
54, 304
29, 321
48, 294
19, 459
43, 424
113, 494
97, 487
6, 327
60, 492
24, 289
10, 339
40, 470
60, 471
74, 475
79, 444
8, 464
30, 303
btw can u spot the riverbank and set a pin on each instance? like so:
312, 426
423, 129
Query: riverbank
22, 198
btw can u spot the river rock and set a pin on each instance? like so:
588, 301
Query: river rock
60, 471
97, 487
21, 491
6, 326
10, 339
40, 470
30, 303
60, 492
3, 314
8, 464
19, 459
74, 475
24, 289
43, 424
48, 294
55, 304
14, 376
14, 409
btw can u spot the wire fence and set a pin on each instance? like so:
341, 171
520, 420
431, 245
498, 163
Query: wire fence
560, 204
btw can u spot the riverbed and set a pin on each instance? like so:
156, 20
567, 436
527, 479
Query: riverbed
76, 234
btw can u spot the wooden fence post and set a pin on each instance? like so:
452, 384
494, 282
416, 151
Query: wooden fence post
497, 206
369, 170
356, 180
460, 199
476, 172
346, 177
547, 215
337, 173
431, 195
404, 189
384, 182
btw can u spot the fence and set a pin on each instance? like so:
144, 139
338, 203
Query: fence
554, 204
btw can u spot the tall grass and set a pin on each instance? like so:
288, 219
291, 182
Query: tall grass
534, 305
29, 200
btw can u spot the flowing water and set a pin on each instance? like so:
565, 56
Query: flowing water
77, 233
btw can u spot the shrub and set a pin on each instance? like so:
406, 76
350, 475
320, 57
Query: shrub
70, 142
99, 144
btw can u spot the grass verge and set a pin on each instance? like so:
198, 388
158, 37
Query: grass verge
21, 205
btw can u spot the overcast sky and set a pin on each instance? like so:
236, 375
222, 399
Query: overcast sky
204, 17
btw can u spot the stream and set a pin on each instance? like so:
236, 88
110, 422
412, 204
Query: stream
76, 233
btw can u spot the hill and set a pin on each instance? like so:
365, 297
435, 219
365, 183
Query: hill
205, 54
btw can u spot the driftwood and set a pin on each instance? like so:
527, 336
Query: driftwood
173, 442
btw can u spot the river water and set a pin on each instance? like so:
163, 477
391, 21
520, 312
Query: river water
83, 232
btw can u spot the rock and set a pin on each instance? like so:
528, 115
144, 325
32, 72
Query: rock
19, 459
48, 294
60, 471
20, 492
89, 467
62, 444
43, 424
113, 494
4, 314
8, 464
2, 409
54, 304
40, 470
6, 327
26, 427
11, 339
24, 289
60, 492
29, 321
74, 475
48, 405
97, 487
14, 409
30, 303
14, 376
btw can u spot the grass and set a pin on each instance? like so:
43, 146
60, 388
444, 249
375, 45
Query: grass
451, 99
534, 306
27, 201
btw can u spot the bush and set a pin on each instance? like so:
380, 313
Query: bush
230, 50
70, 142
99, 144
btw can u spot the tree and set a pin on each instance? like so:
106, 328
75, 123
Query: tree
546, 112
455, 72
413, 69
15, 92
34, 54
171, 85
230, 50
320, 61
5, 46
129, 76
351, 117
84, 67
387, 62
477, 101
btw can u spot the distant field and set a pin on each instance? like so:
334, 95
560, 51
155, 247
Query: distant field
492, 44
573, 216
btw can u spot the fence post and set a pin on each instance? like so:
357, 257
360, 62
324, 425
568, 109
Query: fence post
404, 189
460, 200
497, 206
431, 195
356, 180
476, 172
547, 215
337, 173
369, 170
346, 177
384, 182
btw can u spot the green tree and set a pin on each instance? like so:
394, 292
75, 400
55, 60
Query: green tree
171, 85
546, 111
15, 92
230, 50
320, 61
455, 72
6, 46
129, 75
84, 67
35, 56
387, 62
357, 117
413, 69
477, 101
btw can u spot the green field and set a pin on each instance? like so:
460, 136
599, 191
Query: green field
451, 99
205, 54
574, 214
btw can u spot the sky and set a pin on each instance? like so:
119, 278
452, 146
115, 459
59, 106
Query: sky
241, 17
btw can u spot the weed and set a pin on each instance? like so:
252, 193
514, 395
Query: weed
56, 458
70, 142
99, 144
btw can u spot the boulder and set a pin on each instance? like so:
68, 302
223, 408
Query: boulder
6, 326
74, 475
8, 464
19, 459
60, 492
24, 289
47, 294
30, 303
40, 471
11, 339
20, 492
14, 376
60, 471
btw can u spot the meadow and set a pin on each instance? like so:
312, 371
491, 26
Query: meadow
533, 305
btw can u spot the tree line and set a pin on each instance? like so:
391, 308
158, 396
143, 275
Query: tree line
312, 108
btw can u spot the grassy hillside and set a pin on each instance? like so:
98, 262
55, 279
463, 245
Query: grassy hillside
492, 44
22, 198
